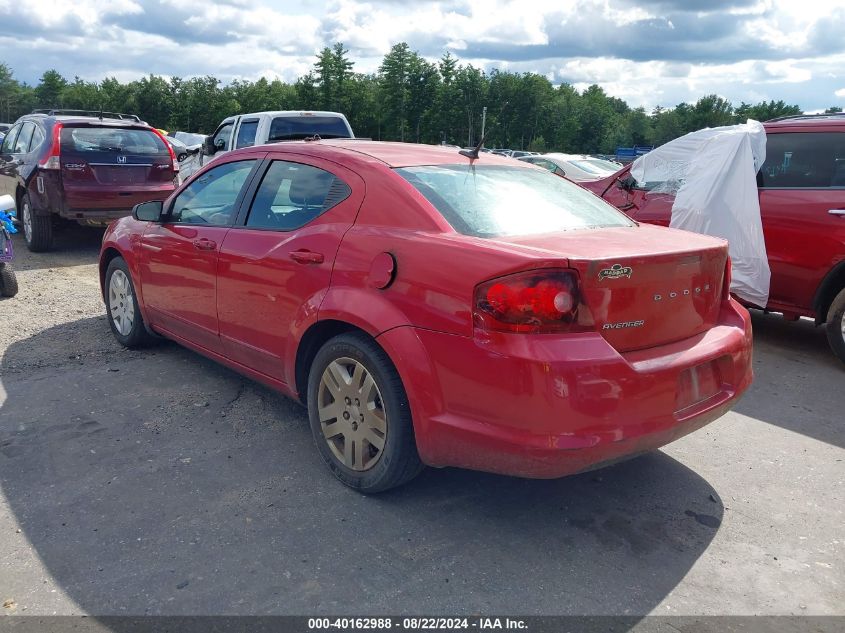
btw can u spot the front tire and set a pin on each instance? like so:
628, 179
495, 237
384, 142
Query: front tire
359, 415
37, 229
122, 310
835, 325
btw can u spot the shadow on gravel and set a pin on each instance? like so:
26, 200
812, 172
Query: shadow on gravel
73, 245
157, 482
797, 379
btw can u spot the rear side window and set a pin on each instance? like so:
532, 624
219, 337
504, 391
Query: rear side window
37, 139
291, 195
89, 140
246, 134
804, 160
25, 136
286, 128
493, 200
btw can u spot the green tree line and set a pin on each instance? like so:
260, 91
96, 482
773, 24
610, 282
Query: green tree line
407, 99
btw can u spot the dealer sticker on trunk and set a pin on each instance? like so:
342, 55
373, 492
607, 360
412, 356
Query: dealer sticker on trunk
615, 272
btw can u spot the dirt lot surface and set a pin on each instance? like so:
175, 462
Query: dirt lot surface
157, 482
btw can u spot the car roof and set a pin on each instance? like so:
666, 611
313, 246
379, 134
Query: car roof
829, 120
393, 154
70, 119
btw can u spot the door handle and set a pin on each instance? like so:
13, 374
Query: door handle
837, 212
307, 257
205, 244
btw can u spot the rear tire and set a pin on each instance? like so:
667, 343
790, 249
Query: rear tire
366, 435
835, 325
122, 310
37, 229
8, 281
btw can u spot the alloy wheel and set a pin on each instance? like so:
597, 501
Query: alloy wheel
121, 304
352, 416
26, 219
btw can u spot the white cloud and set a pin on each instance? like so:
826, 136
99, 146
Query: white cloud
647, 52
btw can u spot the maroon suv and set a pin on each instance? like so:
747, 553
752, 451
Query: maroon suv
87, 167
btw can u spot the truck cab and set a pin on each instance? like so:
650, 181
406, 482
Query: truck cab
257, 128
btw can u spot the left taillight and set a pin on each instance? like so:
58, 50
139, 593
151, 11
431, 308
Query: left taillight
726, 284
53, 159
532, 301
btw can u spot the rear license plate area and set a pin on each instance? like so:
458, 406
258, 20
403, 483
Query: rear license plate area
697, 384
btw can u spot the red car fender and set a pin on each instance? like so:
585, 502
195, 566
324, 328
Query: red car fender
359, 307
364, 308
422, 386
122, 239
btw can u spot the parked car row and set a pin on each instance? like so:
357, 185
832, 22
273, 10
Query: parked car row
575, 167
93, 167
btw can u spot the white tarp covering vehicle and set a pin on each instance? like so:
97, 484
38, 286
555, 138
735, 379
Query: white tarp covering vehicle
713, 175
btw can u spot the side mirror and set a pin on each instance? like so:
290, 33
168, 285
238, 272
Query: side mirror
7, 203
148, 211
208, 146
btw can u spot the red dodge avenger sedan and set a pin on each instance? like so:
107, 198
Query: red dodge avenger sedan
429, 308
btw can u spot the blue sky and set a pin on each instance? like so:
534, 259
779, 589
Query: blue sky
648, 52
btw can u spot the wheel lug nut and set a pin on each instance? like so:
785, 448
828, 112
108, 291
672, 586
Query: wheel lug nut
357, 402
347, 400
346, 415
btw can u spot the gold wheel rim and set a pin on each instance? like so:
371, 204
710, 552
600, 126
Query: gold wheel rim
352, 415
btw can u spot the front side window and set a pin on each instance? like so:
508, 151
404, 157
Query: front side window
292, 194
9, 141
210, 199
246, 134
24, 137
493, 200
222, 136
806, 160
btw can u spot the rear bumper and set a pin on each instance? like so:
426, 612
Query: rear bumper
102, 204
540, 406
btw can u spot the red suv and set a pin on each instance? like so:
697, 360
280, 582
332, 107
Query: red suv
87, 167
802, 203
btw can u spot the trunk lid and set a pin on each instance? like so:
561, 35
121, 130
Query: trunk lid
642, 286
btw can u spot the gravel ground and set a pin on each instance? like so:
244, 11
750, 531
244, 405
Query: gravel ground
157, 482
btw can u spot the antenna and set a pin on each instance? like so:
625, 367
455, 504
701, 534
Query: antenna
472, 154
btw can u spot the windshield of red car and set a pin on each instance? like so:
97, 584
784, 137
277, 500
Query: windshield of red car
498, 200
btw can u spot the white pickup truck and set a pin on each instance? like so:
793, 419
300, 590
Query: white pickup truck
257, 128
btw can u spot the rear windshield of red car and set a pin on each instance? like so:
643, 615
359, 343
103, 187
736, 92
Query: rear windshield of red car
92, 140
499, 200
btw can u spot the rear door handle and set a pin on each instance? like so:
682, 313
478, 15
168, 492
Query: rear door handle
307, 257
205, 244
837, 212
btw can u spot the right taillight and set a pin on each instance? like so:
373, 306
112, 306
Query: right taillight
533, 301
726, 285
53, 159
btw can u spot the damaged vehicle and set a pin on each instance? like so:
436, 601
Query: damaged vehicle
785, 201
435, 307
